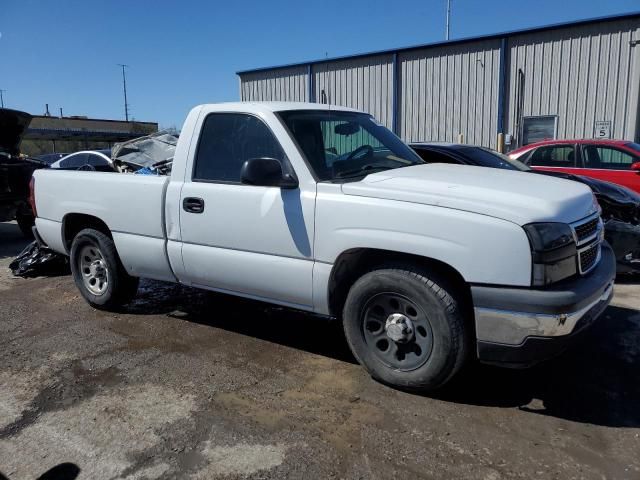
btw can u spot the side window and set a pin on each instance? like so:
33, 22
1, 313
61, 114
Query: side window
563, 156
431, 156
74, 161
227, 141
96, 161
526, 157
606, 158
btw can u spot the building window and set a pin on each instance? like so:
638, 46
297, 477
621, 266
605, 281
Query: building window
535, 129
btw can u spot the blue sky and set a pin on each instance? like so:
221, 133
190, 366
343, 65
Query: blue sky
182, 53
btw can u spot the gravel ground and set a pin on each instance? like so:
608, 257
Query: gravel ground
189, 384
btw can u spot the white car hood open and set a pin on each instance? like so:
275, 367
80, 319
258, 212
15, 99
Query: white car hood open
519, 197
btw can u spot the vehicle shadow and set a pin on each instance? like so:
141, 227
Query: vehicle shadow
597, 381
631, 279
12, 242
280, 325
63, 471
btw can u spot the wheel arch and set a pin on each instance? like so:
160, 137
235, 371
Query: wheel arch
73, 223
353, 263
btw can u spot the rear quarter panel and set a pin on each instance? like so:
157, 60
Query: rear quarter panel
132, 207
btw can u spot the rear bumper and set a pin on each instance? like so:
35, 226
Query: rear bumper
519, 327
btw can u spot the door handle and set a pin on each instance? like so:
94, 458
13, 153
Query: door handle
193, 205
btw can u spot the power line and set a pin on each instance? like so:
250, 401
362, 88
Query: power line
124, 88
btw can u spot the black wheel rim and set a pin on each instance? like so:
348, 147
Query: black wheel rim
397, 331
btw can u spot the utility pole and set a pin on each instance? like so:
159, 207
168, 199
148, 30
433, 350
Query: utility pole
448, 19
2, 98
124, 88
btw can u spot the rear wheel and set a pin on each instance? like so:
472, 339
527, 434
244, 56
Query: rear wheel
406, 328
98, 272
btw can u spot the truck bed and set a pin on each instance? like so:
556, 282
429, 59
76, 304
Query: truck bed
132, 207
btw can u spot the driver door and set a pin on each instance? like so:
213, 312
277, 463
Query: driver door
250, 240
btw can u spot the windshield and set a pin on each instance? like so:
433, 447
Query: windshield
342, 145
485, 157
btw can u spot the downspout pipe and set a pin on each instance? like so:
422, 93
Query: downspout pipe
394, 97
502, 78
310, 93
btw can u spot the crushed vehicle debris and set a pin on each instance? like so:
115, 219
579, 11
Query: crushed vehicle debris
148, 155
37, 260
624, 238
621, 216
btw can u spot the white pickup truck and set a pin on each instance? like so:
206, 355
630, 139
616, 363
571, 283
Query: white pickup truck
323, 209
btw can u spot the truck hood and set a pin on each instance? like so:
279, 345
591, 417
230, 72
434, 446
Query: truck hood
13, 124
518, 197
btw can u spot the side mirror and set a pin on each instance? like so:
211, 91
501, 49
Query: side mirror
636, 167
266, 172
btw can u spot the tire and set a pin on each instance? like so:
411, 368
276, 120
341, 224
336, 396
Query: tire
25, 222
406, 327
94, 257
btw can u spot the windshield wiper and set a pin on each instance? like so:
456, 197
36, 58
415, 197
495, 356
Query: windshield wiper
365, 169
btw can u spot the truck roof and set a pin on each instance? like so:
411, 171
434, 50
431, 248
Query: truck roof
278, 106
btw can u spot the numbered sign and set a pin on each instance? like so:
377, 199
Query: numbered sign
603, 129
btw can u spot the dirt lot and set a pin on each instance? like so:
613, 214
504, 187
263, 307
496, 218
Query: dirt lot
189, 384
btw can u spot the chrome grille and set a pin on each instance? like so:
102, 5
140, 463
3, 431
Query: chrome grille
588, 237
586, 230
588, 257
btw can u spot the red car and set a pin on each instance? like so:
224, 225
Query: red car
616, 161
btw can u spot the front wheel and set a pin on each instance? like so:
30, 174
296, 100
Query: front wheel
405, 326
98, 272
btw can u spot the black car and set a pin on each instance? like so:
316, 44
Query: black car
50, 158
620, 205
15, 170
98, 160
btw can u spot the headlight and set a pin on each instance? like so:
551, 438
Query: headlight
553, 250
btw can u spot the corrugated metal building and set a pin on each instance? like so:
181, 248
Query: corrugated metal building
572, 80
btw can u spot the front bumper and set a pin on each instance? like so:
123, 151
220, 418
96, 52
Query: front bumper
519, 327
